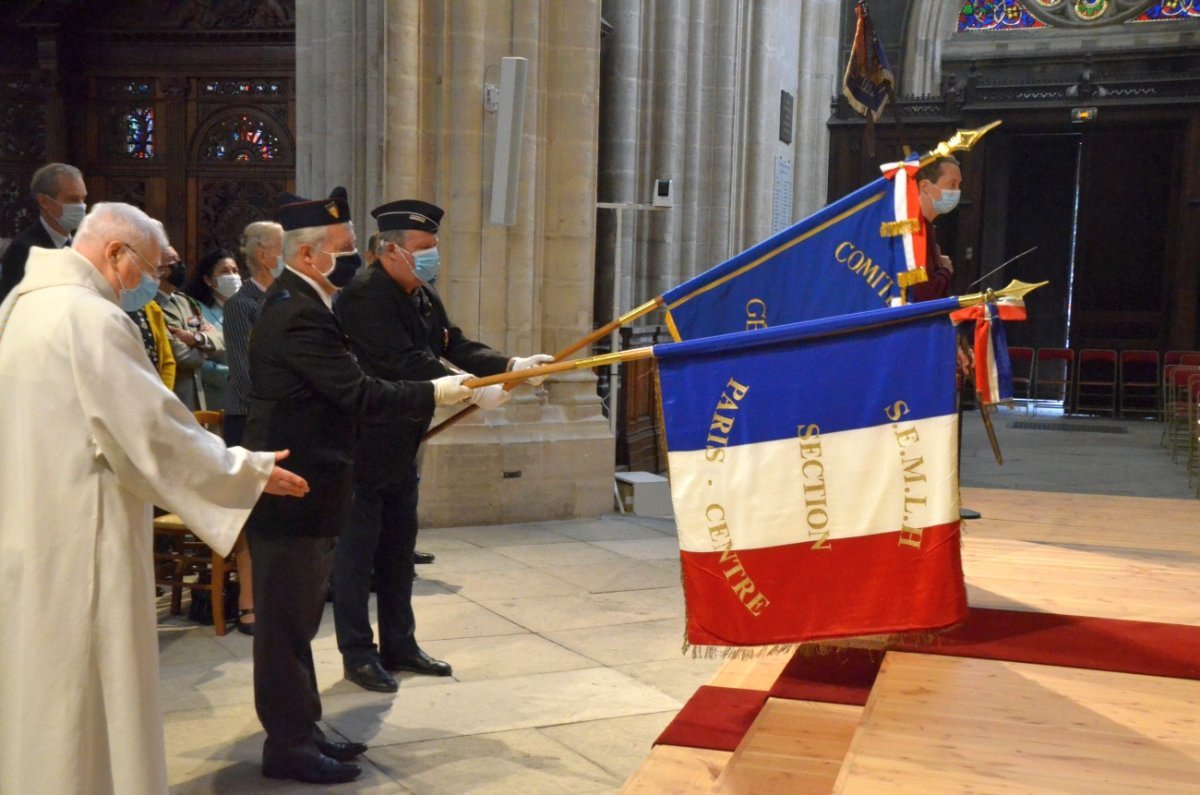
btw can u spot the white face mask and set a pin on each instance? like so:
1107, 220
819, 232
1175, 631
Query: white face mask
228, 284
72, 216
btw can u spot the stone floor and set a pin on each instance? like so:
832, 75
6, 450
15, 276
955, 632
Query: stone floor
565, 639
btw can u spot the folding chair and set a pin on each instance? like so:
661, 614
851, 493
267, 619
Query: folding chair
1096, 382
1021, 360
1177, 432
1053, 370
1139, 390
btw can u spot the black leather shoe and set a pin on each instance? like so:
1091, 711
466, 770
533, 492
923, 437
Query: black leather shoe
424, 557
371, 676
319, 769
341, 752
419, 663
967, 513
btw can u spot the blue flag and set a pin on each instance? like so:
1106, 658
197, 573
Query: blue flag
814, 477
852, 256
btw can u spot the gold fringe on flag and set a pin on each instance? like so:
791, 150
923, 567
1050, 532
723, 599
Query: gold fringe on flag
906, 226
915, 276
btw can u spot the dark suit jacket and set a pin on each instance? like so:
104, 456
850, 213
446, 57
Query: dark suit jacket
17, 252
308, 395
400, 336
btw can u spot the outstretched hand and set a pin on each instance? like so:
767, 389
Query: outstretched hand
284, 483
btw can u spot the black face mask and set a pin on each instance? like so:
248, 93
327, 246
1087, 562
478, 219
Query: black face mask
344, 269
178, 274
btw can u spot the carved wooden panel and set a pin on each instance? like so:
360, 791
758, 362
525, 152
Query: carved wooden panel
16, 212
228, 205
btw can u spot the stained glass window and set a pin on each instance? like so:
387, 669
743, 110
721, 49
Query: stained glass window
138, 127
264, 87
995, 15
1172, 9
988, 15
241, 138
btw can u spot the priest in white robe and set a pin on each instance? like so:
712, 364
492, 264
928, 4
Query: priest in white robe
89, 439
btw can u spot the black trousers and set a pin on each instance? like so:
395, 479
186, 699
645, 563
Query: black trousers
382, 535
290, 578
233, 428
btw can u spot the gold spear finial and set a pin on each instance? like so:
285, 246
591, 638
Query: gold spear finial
1015, 289
961, 141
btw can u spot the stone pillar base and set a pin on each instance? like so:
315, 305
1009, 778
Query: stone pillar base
529, 460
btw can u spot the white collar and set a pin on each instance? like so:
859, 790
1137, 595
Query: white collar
59, 240
326, 297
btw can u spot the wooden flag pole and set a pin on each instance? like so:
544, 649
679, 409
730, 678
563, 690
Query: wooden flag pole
1015, 289
574, 347
587, 363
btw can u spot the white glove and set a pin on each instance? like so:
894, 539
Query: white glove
526, 362
448, 390
489, 397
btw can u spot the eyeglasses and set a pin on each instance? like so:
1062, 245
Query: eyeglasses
153, 269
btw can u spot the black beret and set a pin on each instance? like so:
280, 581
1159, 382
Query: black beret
295, 212
408, 214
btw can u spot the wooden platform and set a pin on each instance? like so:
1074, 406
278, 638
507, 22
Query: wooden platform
978, 724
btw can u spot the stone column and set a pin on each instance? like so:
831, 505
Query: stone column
404, 82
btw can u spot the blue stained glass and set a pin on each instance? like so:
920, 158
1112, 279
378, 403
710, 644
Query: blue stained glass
990, 15
139, 133
1171, 9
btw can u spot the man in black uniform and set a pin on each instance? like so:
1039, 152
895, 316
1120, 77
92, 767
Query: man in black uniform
307, 389
398, 329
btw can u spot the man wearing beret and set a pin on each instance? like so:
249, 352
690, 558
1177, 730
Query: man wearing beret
398, 329
307, 389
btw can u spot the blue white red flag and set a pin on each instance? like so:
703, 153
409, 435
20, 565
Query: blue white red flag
814, 477
854, 255
993, 371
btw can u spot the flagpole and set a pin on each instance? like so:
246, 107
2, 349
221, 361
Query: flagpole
1015, 289
574, 347
587, 363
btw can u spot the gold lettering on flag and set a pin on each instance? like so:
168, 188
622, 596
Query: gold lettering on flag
915, 483
740, 582
756, 314
858, 262
722, 424
812, 472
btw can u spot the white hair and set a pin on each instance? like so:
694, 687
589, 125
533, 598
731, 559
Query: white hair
110, 221
314, 236
257, 236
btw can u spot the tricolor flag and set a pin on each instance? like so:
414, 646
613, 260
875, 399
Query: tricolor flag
868, 74
993, 371
814, 477
854, 255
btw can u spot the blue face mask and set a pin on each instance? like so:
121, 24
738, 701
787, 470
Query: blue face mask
947, 201
278, 269
137, 297
426, 264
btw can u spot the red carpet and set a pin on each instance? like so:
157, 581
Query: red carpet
846, 675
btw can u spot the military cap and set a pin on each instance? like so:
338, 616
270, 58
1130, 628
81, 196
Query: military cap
408, 214
294, 212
